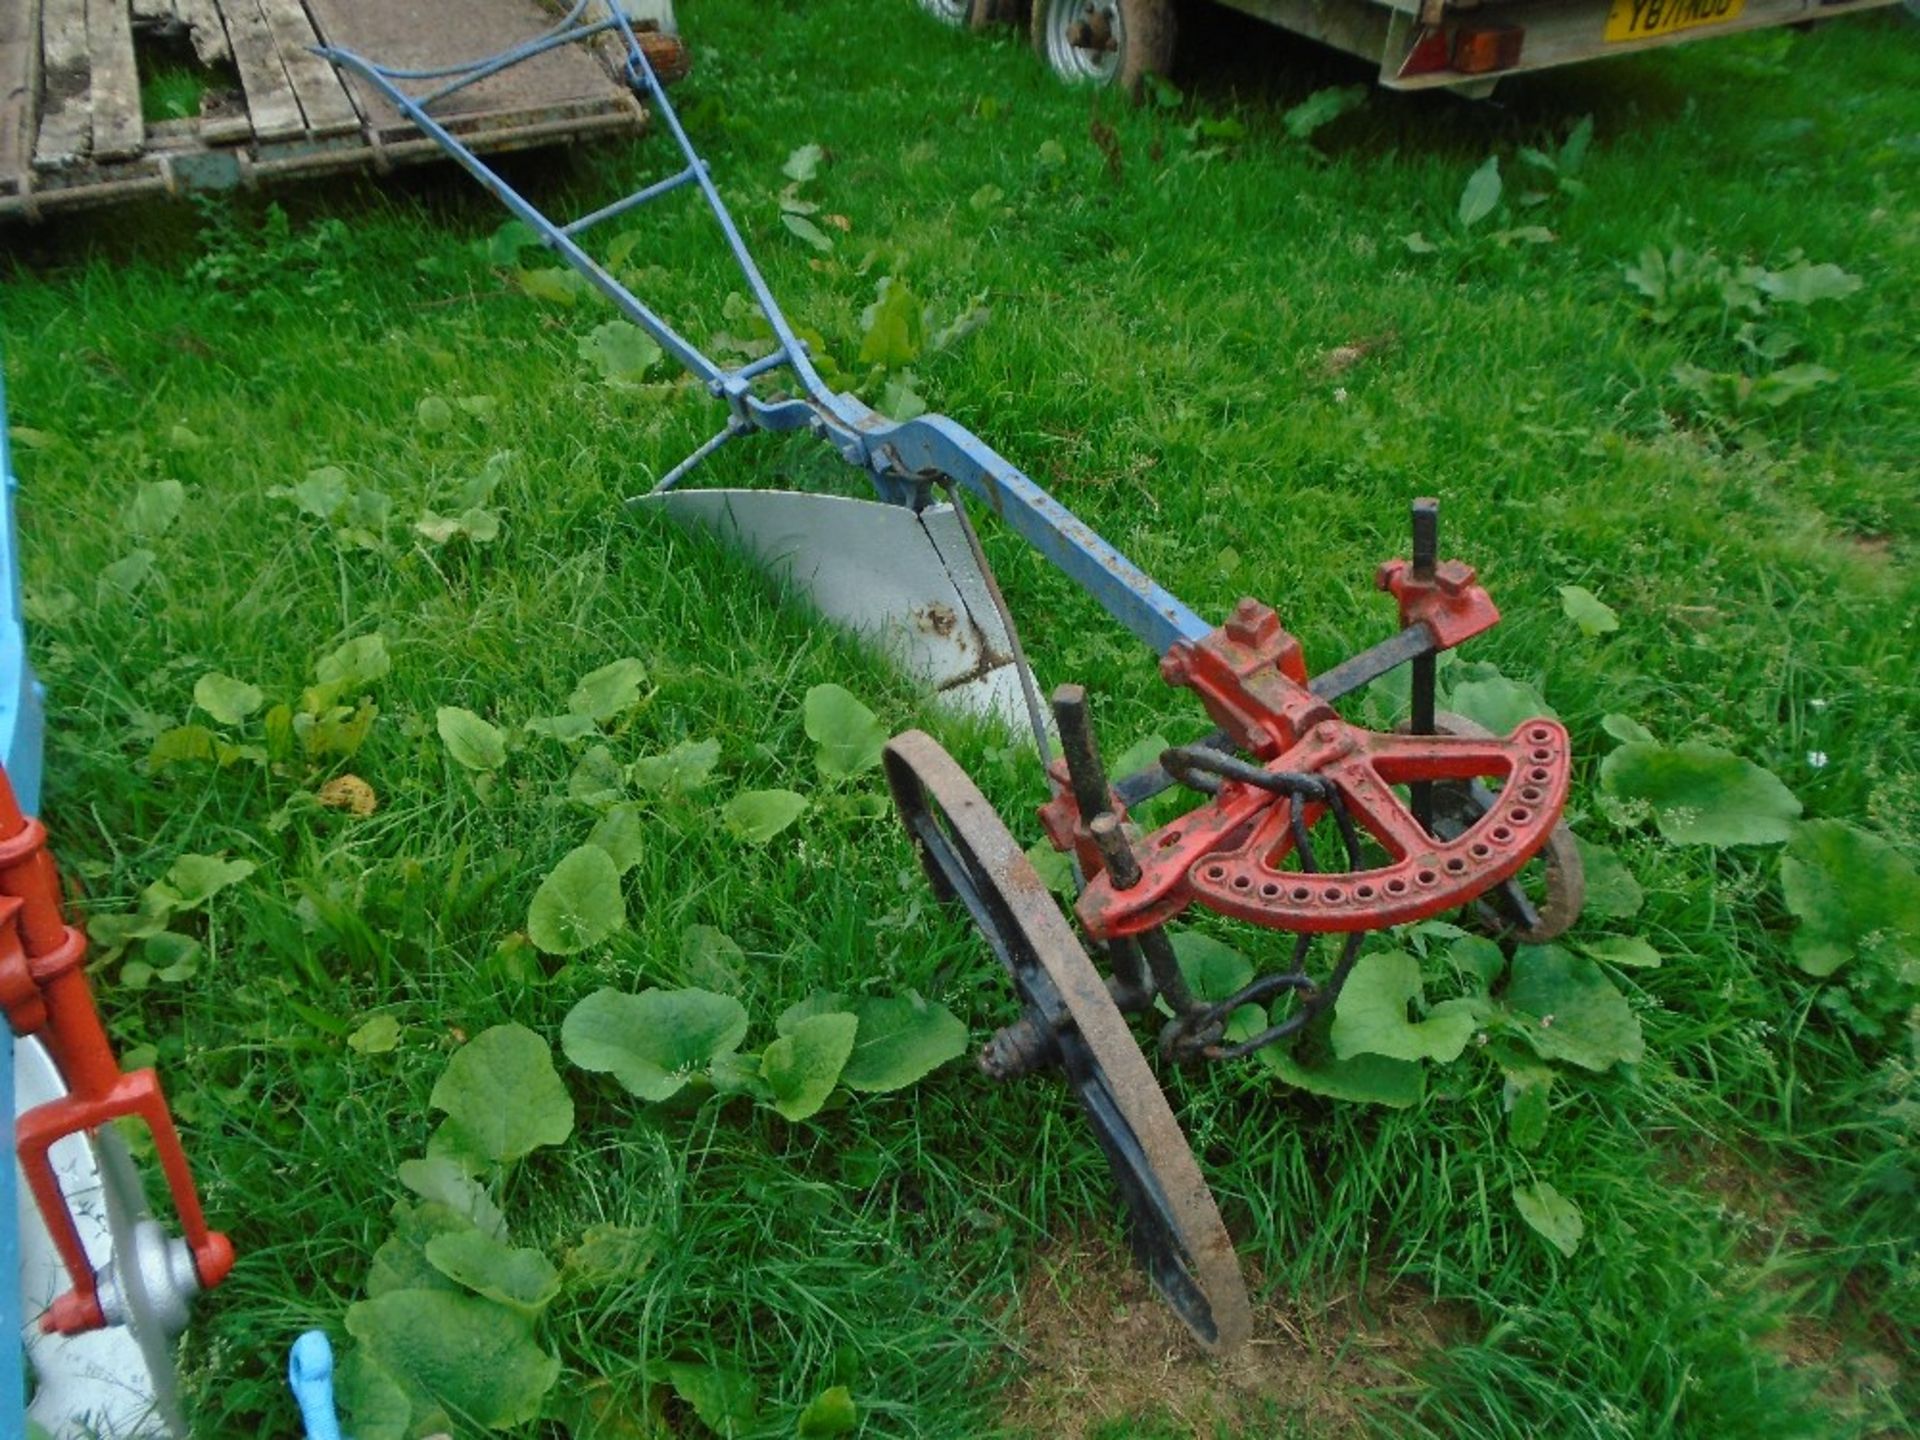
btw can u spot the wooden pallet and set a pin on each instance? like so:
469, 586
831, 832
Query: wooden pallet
72, 133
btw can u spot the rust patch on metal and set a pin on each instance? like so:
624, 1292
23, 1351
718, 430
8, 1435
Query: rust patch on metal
936, 618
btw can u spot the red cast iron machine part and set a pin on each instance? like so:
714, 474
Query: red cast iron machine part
44, 990
1244, 853
1281, 760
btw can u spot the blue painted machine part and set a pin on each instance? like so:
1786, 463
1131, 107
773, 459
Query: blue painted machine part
310, 1377
20, 750
901, 457
22, 737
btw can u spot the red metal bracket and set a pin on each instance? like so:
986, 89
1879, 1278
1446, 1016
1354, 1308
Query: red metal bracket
1230, 854
43, 987
1452, 607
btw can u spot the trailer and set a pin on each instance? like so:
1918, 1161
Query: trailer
1467, 46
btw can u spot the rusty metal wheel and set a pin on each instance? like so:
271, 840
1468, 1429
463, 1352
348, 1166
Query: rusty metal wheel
975, 863
1531, 913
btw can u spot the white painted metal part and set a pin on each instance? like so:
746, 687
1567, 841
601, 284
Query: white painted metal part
904, 582
116, 1383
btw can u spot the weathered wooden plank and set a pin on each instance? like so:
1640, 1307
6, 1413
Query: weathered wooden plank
315, 85
153, 9
19, 86
423, 33
271, 104
118, 131
66, 106
206, 29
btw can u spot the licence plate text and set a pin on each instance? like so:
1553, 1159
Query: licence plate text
1643, 19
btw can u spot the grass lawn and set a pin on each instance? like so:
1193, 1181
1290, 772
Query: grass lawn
1678, 370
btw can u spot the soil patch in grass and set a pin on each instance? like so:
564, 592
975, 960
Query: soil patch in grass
1100, 1347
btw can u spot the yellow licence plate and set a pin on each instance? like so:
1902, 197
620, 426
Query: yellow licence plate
1643, 19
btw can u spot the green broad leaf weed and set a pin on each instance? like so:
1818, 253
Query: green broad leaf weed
621, 351
848, 734
802, 1066
1528, 1102
469, 1355
756, 816
522, 1280
653, 1043
477, 526
1588, 611
711, 959
1497, 702
687, 766
598, 781
555, 284
156, 504
1700, 794
473, 743
1550, 1215
805, 230
348, 668
1310, 1064
1212, 969
373, 1403
618, 832
1855, 896
1322, 108
1612, 891
442, 1181
227, 700
1370, 1017
899, 1041
1807, 284
567, 729
1477, 959
192, 880
1627, 730
900, 397
401, 1261
433, 414
1481, 195
609, 692
579, 904
804, 163
830, 1413
611, 1254
1567, 1009
724, 1399
376, 1036
1629, 952
501, 1090
120, 579
893, 327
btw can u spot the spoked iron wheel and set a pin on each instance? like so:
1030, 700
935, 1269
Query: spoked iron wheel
975, 863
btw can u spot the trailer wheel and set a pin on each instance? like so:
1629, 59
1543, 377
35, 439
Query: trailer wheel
975, 14
1105, 42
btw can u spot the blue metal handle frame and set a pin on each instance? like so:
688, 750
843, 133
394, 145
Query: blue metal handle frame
899, 457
